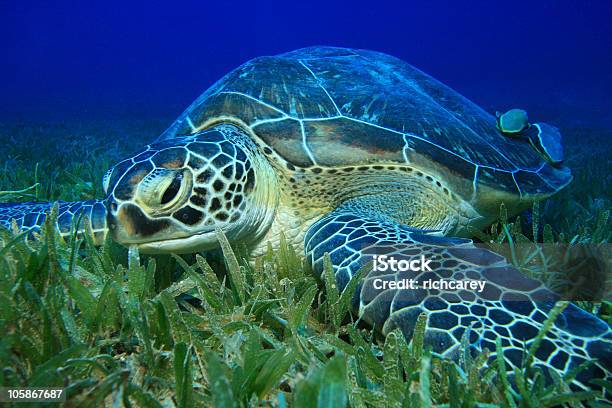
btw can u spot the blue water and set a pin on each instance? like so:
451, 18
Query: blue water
110, 60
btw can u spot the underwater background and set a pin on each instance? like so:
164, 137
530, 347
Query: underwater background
108, 77
85, 83
115, 60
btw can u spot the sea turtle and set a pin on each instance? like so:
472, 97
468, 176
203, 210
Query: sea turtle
353, 153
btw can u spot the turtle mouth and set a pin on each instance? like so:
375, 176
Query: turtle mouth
182, 245
131, 228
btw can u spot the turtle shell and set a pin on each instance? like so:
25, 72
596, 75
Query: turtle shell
323, 107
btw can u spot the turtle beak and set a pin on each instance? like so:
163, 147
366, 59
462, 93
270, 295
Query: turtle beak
129, 225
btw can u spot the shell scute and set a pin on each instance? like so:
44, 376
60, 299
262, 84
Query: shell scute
503, 180
342, 141
531, 183
233, 105
284, 84
288, 142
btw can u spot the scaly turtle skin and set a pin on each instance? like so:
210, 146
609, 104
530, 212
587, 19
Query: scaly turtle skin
354, 153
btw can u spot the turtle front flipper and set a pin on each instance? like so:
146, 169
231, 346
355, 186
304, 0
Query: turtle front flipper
494, 300
31, 216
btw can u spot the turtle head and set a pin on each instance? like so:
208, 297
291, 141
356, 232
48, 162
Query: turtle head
174, 195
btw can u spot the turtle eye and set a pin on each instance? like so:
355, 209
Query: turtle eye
172, 190
162, 191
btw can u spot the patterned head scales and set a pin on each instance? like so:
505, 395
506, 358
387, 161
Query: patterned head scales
180, 189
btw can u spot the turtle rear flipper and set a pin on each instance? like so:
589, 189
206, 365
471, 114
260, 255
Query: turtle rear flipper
547, 140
